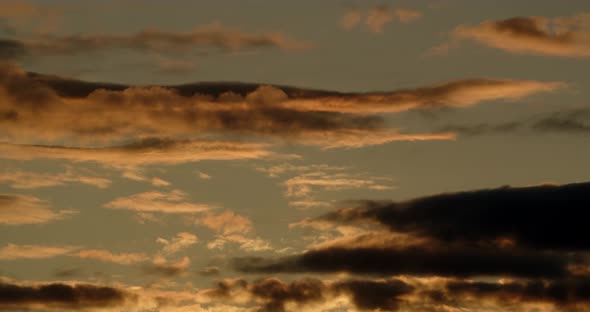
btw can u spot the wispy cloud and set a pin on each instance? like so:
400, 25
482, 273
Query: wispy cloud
19, 179
14, 252
109, 256
567, 36
172, 202
376, 18
26, 209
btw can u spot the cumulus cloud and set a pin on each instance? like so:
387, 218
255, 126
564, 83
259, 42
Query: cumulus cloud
537, 35
25, 209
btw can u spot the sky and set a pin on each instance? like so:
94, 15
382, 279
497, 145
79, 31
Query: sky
275, 156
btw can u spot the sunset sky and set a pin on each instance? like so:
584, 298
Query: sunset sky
275, 156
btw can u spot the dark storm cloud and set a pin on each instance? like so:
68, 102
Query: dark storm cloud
60, 295
560, 292
273, 294
433, 261
549, 217
375, 295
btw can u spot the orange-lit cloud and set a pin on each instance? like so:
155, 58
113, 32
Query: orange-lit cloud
109, 256
561, 36
26, 209
377, 17
19, 179
13, 252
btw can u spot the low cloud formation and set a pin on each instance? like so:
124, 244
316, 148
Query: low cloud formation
274, 295
48, 108
25, 209
561, 36
544, 217
432, 261
534, 232
376, 18
60, 295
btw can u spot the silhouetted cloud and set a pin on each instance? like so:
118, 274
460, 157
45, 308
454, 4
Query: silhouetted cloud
60, 295
560, 36
561, 292
543, 216
433, 261
273, 295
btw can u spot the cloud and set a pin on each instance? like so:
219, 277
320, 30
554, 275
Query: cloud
162, 267
543, 217
61, 296
562, 292
150, 151
14, 252
213, 36
245, 243
534, 35
226, 223
377, 17
108, 256
26, 209
310, 294
432, 261
574, 121
461, 93
179, 242
172, 202
47, 109
19, 179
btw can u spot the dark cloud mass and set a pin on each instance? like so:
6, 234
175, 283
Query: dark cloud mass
561, 291
274, 294
386, 261
59, 295
544, 216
